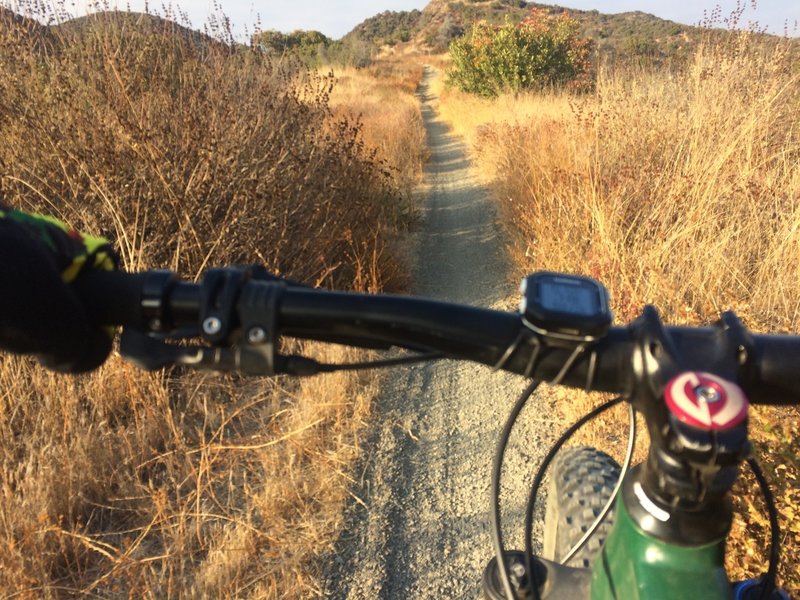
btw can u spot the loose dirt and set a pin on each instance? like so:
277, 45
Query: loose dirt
419, 527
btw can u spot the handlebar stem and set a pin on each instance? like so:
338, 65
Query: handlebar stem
682, 491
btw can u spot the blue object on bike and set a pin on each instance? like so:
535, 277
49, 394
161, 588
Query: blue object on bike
745, 590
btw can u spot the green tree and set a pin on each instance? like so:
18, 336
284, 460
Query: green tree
350, 51
638, 45
543, 50
305, 45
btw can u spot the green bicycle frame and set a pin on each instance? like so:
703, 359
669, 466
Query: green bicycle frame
636, 565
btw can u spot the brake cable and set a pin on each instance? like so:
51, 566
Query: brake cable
769, 577
537, 481
496, 531
378, 364
613, 497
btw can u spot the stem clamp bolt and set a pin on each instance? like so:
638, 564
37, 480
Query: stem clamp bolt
256, 335
212, 326
708, 394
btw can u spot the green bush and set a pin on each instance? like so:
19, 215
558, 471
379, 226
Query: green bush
305, 45
541, 51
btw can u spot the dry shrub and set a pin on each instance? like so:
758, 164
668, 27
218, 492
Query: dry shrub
678, 189
665, 193
206, 486
382, 98
187, 152
190, 152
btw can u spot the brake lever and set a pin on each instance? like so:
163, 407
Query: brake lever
150, 353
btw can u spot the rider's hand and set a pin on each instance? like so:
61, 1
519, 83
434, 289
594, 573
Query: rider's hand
40, 313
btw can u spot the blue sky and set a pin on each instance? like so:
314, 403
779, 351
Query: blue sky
334, 18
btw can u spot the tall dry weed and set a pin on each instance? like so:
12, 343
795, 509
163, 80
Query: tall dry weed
678, 189
121, 485
187, 152
382, 97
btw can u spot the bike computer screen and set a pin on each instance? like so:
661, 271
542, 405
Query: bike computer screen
565, 304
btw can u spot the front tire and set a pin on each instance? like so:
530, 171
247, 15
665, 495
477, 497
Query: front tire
582, 481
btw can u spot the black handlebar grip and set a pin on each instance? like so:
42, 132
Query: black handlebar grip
777, 362
138, 299
112, 297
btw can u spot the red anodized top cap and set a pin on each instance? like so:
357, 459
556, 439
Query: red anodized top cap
705, 401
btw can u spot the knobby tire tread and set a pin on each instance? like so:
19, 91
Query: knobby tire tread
581, 483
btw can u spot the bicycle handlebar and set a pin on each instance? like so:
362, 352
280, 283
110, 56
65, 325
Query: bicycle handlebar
767, 364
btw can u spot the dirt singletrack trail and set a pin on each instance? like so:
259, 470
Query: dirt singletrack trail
420, 529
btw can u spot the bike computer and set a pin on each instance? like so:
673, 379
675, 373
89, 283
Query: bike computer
567, 306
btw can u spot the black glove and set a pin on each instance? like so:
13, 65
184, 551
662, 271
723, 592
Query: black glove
40, 313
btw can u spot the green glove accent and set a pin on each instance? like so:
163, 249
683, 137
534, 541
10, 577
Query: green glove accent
73, 251
42, 312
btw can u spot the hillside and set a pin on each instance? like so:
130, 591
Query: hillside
24, 32
17, 28
628, 34
142, 24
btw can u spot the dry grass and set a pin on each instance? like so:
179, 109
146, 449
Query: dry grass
382, 97
677, 189
121, 485
187, 153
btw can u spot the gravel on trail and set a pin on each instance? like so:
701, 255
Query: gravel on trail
420, 526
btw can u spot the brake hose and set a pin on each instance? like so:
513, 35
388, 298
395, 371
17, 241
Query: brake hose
537, 481
497, 533
774, 547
